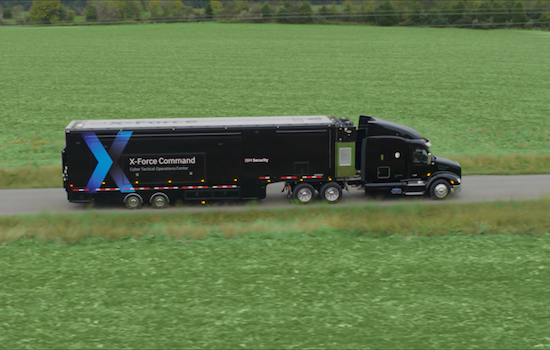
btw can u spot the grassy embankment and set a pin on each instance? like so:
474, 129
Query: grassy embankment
430, 277
404, 219
443, 82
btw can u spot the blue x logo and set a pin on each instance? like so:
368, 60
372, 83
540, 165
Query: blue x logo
108, 161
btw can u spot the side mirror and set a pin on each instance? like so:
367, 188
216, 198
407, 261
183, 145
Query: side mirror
430, 159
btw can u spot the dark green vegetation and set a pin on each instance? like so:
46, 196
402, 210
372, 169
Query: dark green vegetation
457, 87
483, 14
270, 287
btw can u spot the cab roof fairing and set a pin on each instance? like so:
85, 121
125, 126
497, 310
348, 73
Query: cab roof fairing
379, 127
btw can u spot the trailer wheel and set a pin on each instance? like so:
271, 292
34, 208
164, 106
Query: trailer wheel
331, 192
159, 200
440, 189
133, 201
305, 193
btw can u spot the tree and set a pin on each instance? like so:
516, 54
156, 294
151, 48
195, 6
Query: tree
544, 20
501, 14
457, 12
18, 13
288, 13
114, 10
172, 8
252, 14
230, 9
155, 9
48, 11
282, 15
216, 5
91, 12
434, 17
131, 9
430, 15
243, 5
536, 10
7, 13
305, 13
107, 10
416, 15
66, 14
484, 12
324, 12
518, 14
266, 11
209, 11
389, 16
347, 12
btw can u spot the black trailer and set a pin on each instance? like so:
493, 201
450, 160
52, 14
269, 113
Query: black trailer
158, 161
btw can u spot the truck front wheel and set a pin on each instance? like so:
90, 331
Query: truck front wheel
305, 193
331, 192
440, 189
133, 201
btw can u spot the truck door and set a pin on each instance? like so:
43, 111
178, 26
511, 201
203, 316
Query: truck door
385, 159
419, 162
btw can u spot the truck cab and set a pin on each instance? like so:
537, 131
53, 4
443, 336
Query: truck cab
395, 158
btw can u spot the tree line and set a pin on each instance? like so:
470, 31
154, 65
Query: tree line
461, 13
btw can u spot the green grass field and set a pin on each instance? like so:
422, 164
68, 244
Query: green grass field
409, 219
407, 276
470, 92
357, 277
288, 290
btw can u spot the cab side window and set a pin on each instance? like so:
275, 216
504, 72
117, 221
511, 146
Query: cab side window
420, 156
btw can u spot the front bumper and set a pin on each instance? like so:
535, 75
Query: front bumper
456, 188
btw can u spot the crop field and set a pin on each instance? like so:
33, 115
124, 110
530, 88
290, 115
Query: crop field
320, 290
471, 92
406, 276
331, 277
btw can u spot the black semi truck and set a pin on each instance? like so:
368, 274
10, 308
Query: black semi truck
158, 161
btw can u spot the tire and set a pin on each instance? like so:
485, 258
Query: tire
440, 189
331, 192
133, 201
159, 200
304, 193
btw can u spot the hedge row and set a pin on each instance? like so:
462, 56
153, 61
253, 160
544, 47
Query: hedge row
480, 14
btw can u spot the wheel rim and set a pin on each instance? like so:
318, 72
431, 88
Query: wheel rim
133, 202
332, 194
441, 191
304, 195
159, 201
